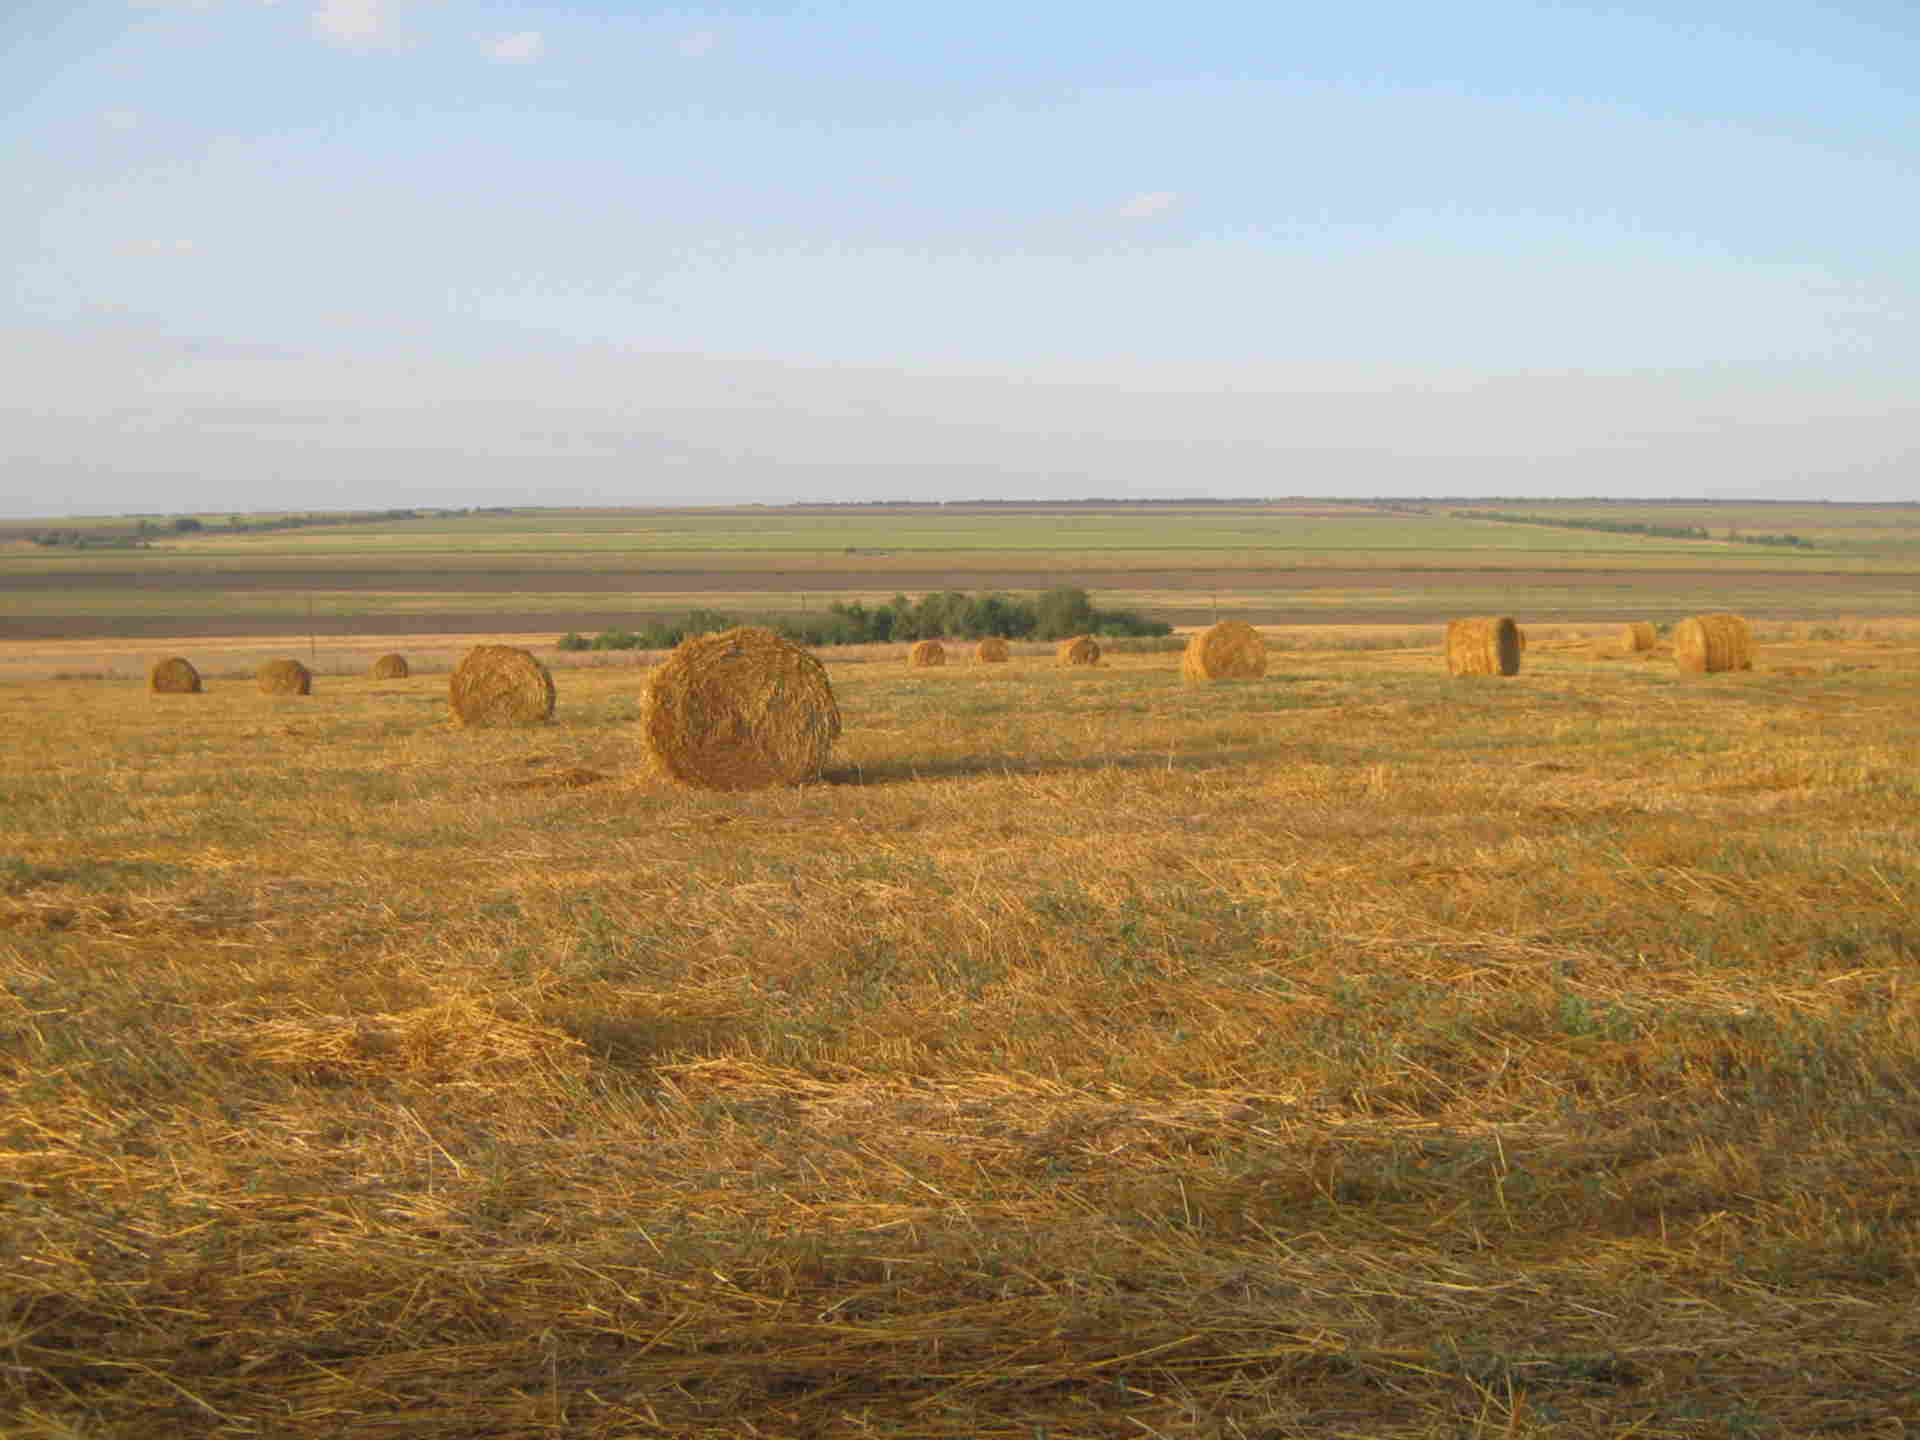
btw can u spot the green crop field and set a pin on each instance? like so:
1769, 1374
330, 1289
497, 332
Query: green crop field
534, 570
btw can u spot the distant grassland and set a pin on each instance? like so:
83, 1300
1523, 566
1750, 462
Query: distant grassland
1273, 562
937, 531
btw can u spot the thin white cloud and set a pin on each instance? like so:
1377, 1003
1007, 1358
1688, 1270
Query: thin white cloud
699, 43
517, 49
355, 24
158, 247
1149, 203
122, 120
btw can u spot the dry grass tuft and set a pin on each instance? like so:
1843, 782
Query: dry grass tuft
574, 777
1483, 645
991, 651
1228, 650
458, 1039
1637, 635
498, 685
1080, 650
390, 667
740, 710
174, 676
284, 677
927, 652
1710, 644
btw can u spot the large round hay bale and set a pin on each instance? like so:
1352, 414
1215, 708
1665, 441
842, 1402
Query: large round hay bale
927, 652
496, 685
991, 651
1227, 650
1709, 644
1483, 645
739, 710
391, 667
1637, 635
284, 677
1080, 650
174, 676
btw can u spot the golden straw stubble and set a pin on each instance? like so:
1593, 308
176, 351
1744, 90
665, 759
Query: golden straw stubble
500, 685
391, 667
1483, 645
991, 651
927, 652
284, 677
1711, 644
1227, 650
1080, 650
740, 710
174, 675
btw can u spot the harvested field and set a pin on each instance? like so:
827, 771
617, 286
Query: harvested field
1350, 1052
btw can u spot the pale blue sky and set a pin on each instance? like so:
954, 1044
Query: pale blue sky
370, 252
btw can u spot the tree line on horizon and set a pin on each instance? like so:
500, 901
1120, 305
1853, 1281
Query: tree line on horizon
1056, 614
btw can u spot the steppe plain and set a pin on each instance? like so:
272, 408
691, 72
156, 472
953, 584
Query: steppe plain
1350, 1052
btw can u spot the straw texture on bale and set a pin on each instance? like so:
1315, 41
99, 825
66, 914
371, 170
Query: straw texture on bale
991, 651
927, 652
1227, 650
1081, 650
391, 667
739, 710
284, 677
174, 676
1483, 645
1637, 635
497, 685
1709, 644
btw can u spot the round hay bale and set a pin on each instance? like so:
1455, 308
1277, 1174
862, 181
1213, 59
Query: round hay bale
391, 667
174, 676
740, 710
1709, 644
284, 677
1637, 635
1483, 645
496, 685
991, 651
1080, 650
1227, 650
927, 652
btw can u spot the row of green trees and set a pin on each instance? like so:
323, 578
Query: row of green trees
1054, 614
1634, 527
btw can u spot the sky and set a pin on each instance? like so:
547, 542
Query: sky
371, 253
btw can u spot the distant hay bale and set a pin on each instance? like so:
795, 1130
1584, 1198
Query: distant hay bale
1483, 645
991, 651
284, 677
740, 710
1709, 644
927, 652
1080, 650
1637, 635
1227, 650
499, 685
174, 676
391, 667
